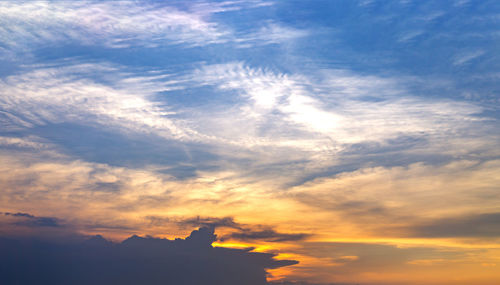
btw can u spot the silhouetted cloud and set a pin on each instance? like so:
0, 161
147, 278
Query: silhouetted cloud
32, 221
267, 235
137, 260
244, 232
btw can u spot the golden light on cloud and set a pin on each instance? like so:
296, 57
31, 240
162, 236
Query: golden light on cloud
292, 142
331, 211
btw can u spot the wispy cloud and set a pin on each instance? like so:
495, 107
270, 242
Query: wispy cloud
290, 128
207, 8
112, 24
409, 36
466, 57
308, 118
341, 106
350, 260
271, 33
465, 225
30, 142
426, 200
29, 25
71, 93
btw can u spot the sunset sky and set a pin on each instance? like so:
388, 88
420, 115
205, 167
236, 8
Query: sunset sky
337, 142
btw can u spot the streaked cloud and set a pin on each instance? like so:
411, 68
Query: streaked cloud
421, 197
112, 24
341, 107
466, 57
30, 25
372, 261
472, 225
271, 33
359, 139
72, 94
25, 219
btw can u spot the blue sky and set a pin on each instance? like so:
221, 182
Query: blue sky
113, 112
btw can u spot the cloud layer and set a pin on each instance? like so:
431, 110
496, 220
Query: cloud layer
360, 139
135, 260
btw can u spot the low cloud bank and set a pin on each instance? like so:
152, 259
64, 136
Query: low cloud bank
136, 260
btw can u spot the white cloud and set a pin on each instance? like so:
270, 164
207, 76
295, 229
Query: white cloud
207, 8
466, 57
273, 119
336, 106
113, 23
26, 143
120, 24
271, 33
70, 94
409, 36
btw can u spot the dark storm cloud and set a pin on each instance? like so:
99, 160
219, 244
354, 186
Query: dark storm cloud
476, 225
28, 220
136, 260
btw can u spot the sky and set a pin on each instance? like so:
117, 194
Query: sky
267, 142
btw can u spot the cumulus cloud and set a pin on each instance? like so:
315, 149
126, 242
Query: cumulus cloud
136, 260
